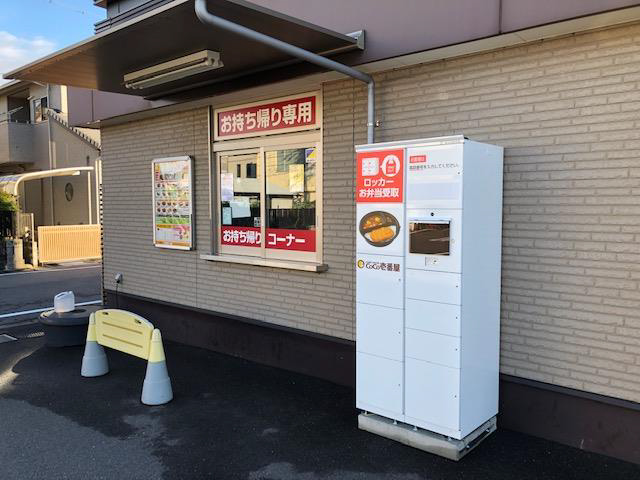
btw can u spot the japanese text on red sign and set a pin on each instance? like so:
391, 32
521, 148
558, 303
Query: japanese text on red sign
380, 176
244, 236
277, 238
293, 113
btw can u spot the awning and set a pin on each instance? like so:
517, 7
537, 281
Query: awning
173, 31
11, 183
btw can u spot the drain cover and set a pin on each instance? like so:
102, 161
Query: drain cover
4, 338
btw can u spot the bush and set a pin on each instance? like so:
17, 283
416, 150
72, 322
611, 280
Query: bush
7, 202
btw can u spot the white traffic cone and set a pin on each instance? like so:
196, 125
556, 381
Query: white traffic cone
156, 389
94, 361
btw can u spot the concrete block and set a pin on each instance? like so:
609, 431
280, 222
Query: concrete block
425, 440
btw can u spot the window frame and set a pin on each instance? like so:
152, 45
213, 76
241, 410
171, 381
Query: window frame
261, 145
38, 102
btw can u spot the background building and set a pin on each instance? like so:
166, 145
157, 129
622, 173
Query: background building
35, 136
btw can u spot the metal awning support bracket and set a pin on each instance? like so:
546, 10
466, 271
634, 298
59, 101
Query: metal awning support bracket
209, 19
359, 38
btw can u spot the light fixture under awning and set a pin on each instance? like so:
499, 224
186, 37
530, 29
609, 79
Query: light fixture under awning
172, 31
173, 70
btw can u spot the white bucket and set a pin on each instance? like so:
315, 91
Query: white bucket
64, 302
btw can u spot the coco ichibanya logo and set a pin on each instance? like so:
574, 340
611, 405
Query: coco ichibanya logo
388, 267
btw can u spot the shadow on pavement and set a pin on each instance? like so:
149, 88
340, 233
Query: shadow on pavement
230, 419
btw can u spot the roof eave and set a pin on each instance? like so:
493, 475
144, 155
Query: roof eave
13, 86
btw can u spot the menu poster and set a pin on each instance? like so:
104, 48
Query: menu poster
173, 203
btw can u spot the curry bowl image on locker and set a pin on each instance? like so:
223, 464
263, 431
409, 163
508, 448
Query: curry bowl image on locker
379, 228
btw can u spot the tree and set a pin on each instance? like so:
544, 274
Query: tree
7, 202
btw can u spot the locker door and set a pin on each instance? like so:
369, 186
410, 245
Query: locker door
433, 397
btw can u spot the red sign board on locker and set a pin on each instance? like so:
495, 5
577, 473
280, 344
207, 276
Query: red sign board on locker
380, 176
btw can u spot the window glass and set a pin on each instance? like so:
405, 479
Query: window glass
429, 238
291, 199
268, 202
240, 201
39, 106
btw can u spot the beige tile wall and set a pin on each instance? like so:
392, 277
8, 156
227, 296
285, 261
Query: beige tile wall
567, 113
320, 303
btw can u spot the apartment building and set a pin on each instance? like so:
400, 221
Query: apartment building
554, 83
39, 149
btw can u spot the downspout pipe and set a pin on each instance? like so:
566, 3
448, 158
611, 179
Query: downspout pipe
209, 19
52, 158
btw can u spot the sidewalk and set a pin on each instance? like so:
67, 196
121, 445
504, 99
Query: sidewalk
53, 266
230, 419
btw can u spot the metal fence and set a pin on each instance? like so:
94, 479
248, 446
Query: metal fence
7, 230
296, 218
24, 225
7, 224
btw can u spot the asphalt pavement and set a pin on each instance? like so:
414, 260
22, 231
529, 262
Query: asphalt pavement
230, 419
31, 290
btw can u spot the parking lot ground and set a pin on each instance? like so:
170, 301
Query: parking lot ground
230, 419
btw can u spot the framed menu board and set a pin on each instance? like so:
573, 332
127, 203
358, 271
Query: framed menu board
173, 203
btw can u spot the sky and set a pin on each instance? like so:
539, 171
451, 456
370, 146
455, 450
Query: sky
30, 29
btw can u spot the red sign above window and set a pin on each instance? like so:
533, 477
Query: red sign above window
380, 176
296, 113
277, 238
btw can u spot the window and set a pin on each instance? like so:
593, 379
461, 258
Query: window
281, 164
271, 212
68, 192
239, 198
39, 108
429, 238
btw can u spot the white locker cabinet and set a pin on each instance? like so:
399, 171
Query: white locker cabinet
433, 397
433, 348
433, 317
381, 280
428, 251
439, 184
434, 286
380, 331
379, 385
